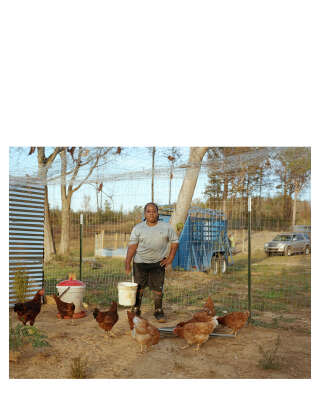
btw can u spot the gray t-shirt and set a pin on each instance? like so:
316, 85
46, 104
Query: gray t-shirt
152, 241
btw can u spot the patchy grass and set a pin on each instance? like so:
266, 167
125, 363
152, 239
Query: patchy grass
270, 358
279, 283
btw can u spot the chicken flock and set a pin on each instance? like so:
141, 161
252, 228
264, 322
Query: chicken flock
195, 331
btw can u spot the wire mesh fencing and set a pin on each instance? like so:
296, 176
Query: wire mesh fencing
215, 265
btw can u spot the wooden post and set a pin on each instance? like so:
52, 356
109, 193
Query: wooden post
116, 240
124, 240
102, 239
249, 256
81, 223
96, 243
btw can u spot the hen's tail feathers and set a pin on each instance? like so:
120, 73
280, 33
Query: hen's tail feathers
131, 315
18, 307
180, 324
113, 306
221, 320
95, 312
209, 304
178, 331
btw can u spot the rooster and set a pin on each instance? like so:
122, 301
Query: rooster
28, 311
108, 319
234, 320
142, 331
196, 332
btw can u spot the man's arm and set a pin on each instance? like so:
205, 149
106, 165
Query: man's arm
173, 249
130, 253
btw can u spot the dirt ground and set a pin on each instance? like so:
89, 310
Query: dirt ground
120, 357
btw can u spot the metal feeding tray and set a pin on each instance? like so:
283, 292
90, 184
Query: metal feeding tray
169, 331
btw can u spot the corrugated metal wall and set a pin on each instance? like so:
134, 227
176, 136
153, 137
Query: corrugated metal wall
26, 234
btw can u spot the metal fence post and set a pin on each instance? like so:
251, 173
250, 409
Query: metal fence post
81, 222
249, 256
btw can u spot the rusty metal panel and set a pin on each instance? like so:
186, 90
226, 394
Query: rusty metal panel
26, 234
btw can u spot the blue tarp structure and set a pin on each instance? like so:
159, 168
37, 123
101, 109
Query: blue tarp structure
203, 237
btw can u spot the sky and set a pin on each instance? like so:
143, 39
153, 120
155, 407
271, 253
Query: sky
125, 189
124, 193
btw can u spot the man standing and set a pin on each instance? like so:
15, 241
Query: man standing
148, 247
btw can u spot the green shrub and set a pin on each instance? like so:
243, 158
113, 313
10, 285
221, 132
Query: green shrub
22, 334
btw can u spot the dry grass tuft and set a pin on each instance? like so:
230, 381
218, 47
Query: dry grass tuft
270, 358
79, 368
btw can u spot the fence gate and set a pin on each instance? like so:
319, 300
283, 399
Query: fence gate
26, 234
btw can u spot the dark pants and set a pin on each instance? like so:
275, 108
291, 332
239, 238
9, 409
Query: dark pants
152, 275
149, 274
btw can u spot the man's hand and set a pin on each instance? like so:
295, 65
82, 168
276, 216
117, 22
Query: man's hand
128, 269
166, 262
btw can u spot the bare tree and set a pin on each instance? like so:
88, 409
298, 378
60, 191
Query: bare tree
86, 203
44, 163
153, 154
83, 158
172, 154
294, 171
180, 212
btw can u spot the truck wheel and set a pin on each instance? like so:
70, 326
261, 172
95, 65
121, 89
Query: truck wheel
223, 266
307, 250
288, 251
215, 265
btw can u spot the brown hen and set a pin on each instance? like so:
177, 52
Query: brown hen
108, 319
204, 315
65, 309
196, 332
234, 320
142, 331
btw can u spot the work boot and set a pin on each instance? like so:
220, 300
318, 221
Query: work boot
137, 305
158, 314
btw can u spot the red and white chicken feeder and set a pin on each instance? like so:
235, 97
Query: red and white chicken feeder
74, 294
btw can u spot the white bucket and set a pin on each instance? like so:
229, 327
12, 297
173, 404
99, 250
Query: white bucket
73, 295
127, 293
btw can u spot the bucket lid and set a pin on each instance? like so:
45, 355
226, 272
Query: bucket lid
128, 284
71, 282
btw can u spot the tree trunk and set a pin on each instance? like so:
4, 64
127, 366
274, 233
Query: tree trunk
294, 211
188, 186
65, 227
225, 194
49, 245
65, 208
152, 179
170, 181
